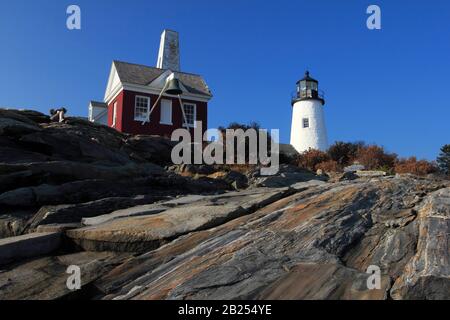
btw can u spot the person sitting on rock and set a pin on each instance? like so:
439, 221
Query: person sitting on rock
58, 115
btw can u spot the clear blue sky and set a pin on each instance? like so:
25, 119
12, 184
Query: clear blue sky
389, 87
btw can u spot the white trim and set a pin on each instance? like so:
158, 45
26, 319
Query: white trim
113, 94
92, 106
111, 86
171, 113
195, 115
114, 115
109, 83
145, 118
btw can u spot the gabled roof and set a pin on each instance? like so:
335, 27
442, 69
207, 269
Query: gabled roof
144, 75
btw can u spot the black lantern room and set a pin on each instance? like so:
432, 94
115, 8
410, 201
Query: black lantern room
308, 89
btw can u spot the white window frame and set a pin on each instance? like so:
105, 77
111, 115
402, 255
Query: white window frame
188, 125
306, 121
114, 115
143, 118
169, 123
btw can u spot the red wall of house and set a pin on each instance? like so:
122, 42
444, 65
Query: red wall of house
125, 115
119, 100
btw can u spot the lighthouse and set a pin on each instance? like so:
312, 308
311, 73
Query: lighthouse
308, 129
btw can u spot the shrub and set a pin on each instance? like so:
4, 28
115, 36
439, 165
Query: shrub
344, 152
311, 158
443, 160
411, 165
374, 157
329, 166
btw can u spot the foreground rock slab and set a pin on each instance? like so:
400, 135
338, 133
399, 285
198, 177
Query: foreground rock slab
26, 246
427, 274
146, 227
137, 233
120, 214
314, 244
46, 278
76, 212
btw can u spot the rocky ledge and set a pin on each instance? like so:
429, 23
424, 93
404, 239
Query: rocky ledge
80, 194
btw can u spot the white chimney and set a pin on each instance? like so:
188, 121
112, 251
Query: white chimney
169, 51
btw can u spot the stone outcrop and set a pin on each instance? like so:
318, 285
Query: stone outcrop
286, 176
148, 227
315, 244
427, 274
45, 278
74, 213
308, 241
76, 193
29, 245
59, 173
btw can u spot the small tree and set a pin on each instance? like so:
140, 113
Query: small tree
443, 160
344, 152
374, 157
311, 158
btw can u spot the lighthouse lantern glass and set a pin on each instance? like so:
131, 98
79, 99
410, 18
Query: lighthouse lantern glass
303, 85
308, 89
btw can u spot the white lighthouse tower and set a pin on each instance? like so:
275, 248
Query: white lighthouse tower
308, 129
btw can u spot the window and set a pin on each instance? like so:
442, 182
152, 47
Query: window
141, 108
302, 85
114, 121
190, 112
305, 122
166, 112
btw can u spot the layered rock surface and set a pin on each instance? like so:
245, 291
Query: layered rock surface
102, 201
54, 173
315, 244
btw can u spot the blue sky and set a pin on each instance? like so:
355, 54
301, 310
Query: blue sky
387, 86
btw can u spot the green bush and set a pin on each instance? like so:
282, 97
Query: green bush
443, 160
